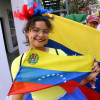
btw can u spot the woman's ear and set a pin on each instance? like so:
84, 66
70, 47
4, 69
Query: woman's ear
27, 33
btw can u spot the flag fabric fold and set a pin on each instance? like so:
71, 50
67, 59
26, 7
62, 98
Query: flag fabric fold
76, 36
37, 72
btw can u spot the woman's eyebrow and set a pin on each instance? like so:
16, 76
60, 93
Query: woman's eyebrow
39, 28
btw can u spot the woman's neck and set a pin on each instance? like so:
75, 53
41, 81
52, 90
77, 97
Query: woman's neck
45, 49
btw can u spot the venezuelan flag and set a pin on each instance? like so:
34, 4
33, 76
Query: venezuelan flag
77, 39
42, 70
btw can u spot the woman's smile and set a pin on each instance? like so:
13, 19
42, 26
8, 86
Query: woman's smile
40, 40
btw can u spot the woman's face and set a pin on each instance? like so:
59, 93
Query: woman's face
39, 35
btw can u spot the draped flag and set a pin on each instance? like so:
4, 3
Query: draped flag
77, 39
42, 70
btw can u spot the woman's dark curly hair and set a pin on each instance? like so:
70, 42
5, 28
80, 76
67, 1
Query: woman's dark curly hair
31, 23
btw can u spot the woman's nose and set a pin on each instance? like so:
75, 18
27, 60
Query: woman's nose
41, 33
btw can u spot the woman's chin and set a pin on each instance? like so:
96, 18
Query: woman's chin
39, 45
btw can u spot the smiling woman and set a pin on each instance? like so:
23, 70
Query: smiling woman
37, 32
39, 28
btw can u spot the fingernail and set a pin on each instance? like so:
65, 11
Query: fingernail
94, 59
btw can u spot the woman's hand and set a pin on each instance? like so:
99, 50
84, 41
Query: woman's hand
95, 72
92, 76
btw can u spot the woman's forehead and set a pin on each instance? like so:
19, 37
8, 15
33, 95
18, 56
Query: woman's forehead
40, 25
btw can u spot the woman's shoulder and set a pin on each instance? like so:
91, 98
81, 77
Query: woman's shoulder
17, 59
15, 66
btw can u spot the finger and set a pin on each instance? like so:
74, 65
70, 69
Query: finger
95, 69
98, 70
94, 59
95, 64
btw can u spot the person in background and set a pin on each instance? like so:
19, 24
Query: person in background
92, 21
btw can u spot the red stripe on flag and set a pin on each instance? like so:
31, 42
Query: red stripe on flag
26, 87
90, 93
70, 86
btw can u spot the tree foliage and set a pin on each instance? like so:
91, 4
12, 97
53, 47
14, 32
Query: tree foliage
80, 6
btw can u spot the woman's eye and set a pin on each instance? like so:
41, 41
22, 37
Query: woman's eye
36, 30
46, 32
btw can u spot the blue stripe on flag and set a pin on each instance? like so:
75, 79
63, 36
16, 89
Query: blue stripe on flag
44, 76
53, 44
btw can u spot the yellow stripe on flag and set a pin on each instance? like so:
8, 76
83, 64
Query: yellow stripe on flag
60, 63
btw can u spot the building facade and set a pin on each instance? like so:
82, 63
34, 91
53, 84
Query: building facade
10, 32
